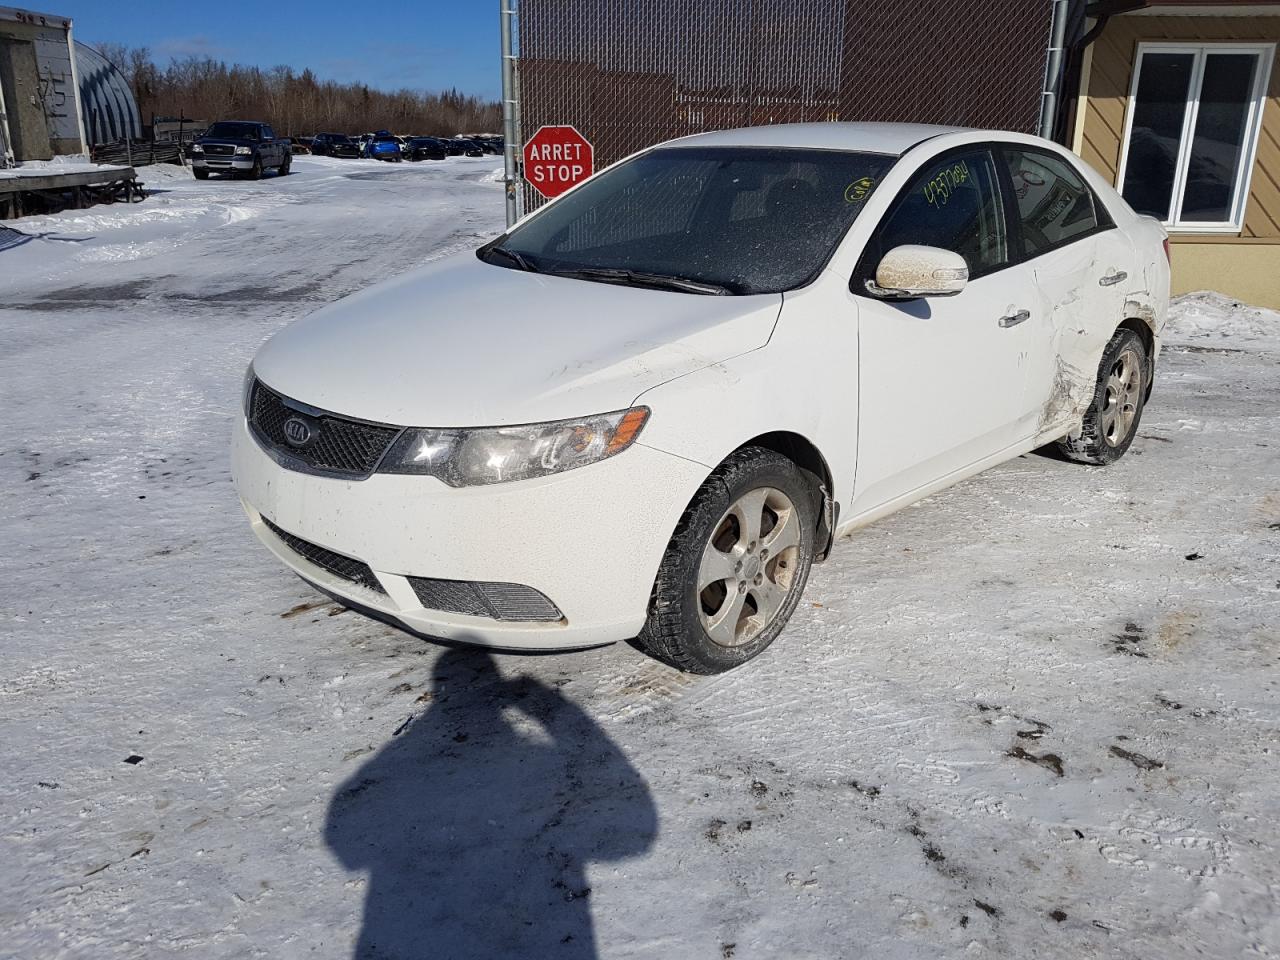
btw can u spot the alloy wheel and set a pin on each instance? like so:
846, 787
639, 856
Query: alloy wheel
748, 566
1121, 396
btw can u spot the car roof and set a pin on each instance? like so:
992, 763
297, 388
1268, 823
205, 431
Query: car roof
890, 138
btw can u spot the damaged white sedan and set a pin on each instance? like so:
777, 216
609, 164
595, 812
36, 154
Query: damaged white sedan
648, 408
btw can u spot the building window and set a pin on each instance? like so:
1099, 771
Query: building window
1191, 133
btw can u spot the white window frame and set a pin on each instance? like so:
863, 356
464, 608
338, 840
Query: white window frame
1266, 53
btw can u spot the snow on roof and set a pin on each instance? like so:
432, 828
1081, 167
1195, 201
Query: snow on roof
891, 138
72, 163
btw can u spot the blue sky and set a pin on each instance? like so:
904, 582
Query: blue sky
422, 44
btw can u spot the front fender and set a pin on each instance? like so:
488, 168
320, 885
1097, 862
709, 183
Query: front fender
803, 381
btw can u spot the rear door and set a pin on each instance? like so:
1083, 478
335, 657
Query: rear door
1083, 268
942, 379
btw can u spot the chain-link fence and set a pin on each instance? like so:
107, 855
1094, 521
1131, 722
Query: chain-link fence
629, 73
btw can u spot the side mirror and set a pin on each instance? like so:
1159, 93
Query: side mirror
913, 271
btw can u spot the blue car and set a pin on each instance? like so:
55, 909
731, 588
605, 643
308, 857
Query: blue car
383, 146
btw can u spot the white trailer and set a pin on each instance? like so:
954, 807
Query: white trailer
40, 115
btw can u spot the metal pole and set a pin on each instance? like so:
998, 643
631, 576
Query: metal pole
6, 153
1053, 68
509, 108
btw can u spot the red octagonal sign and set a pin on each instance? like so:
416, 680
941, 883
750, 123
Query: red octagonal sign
557, 158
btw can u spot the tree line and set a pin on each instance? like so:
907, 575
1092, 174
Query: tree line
295, 104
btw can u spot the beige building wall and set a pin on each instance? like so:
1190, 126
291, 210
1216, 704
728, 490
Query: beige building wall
1247, 265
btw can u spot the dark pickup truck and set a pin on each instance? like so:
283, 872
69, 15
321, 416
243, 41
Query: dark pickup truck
242, 147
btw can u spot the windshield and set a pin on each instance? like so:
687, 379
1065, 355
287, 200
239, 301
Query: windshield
233, 131
734, 219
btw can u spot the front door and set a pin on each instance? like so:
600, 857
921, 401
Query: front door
942, 379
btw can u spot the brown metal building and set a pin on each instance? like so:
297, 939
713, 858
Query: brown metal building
631, 74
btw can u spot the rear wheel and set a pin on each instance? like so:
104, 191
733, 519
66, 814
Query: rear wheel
284, 167
1111, 422
736, 566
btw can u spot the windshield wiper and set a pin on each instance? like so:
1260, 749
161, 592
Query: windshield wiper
638, 278
518, 259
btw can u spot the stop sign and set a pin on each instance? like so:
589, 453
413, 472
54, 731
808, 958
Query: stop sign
557, 158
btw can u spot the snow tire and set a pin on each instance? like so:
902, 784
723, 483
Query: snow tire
1092, 445
674, 633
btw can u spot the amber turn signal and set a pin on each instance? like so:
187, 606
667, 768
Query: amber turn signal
628, 429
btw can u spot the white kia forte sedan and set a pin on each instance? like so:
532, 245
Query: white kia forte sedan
649, 407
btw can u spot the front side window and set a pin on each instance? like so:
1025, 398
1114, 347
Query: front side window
1194, 119
1055, 205
737, 220
954, 203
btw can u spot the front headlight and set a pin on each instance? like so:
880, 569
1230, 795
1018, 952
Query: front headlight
196, 148
463, 458
244, 151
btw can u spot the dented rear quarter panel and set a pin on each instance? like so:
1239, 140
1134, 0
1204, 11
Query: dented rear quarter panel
1083, 315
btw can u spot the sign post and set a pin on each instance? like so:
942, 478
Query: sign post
510, 175
557, 158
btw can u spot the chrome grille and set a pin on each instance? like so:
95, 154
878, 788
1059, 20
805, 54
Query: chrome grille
340, 446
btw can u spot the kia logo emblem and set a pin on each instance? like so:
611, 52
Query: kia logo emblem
297, 431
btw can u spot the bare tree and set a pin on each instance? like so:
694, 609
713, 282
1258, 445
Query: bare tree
295, 104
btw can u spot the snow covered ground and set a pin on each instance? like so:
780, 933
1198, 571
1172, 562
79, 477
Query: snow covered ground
1036, 715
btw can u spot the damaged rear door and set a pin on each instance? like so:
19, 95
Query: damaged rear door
1083, 268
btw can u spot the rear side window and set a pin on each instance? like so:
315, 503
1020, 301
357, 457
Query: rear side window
953, 203
1055, 205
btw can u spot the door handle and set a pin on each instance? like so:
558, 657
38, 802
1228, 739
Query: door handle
1015, 318
1110, 281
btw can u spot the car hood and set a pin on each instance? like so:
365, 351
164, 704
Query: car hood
465, 343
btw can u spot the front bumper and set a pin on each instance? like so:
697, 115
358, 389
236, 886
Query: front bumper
590, 539
222, 163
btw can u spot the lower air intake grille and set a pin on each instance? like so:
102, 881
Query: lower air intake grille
497, 601
337, 564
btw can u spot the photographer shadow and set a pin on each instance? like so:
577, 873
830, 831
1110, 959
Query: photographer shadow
477, 822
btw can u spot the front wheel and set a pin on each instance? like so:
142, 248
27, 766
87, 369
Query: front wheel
1111, 421
736, 566
200, 172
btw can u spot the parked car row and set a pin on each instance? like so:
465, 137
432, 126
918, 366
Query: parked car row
384, 145
249, 148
